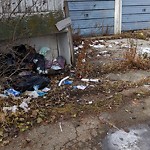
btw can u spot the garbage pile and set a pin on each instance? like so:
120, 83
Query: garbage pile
25, 69
25, 58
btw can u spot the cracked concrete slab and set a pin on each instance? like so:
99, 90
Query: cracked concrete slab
137, 138
133, 76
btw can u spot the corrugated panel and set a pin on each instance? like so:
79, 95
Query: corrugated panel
92, 17
136, 14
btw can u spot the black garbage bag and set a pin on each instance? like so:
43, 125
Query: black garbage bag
23, 52
30, 58
27, 82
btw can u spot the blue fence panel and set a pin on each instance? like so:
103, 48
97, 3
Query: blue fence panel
92, 17
135, 14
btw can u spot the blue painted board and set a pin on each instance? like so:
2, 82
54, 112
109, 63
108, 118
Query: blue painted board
90, 5
91, 14
136, 14
135, 9
136, 18
95, 31
92, 23
135, 2
136, 26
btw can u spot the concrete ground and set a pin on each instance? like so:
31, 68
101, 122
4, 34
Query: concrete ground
125, 128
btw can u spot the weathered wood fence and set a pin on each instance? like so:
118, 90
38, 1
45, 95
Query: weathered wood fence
92, 17
89, 17
21, 6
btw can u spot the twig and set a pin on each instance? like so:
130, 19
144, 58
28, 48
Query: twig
19, 65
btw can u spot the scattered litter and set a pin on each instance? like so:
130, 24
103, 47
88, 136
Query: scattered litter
147, 86
27, 100
46, 89
60, 126
102, 41
36, 93
90, 102
125, 46
24, 106
58, 63
80, 46
3, 96
25, 57
116, 42
104, 52
13, 109
61, 81
98, 46
83, 60
80, 87
11, 92
144, 51
110, 46
26, 83
67, 82
76, 48
32, 94
90, 80
55, 67
43, 51
39, 64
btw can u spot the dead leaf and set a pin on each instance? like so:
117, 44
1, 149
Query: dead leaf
39, 120
2, 117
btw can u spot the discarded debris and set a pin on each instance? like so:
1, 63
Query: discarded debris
60, 126
61, 81
44, 50
11, 92
80, 87
25, 58
90, 80
144, 51
67, 82
24, 106
13, 109
27, 83
3, 96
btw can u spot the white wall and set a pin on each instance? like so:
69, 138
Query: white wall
20, 6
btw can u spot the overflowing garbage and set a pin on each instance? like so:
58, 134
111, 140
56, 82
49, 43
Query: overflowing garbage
34, 85
24, 69
25, 58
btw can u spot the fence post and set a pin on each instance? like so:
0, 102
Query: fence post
118, 17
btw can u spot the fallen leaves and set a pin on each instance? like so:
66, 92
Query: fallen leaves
2, 117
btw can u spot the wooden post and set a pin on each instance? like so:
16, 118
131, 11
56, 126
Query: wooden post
66, 8
118, 17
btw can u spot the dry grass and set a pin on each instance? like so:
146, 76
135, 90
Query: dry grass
83, 67
133, 59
